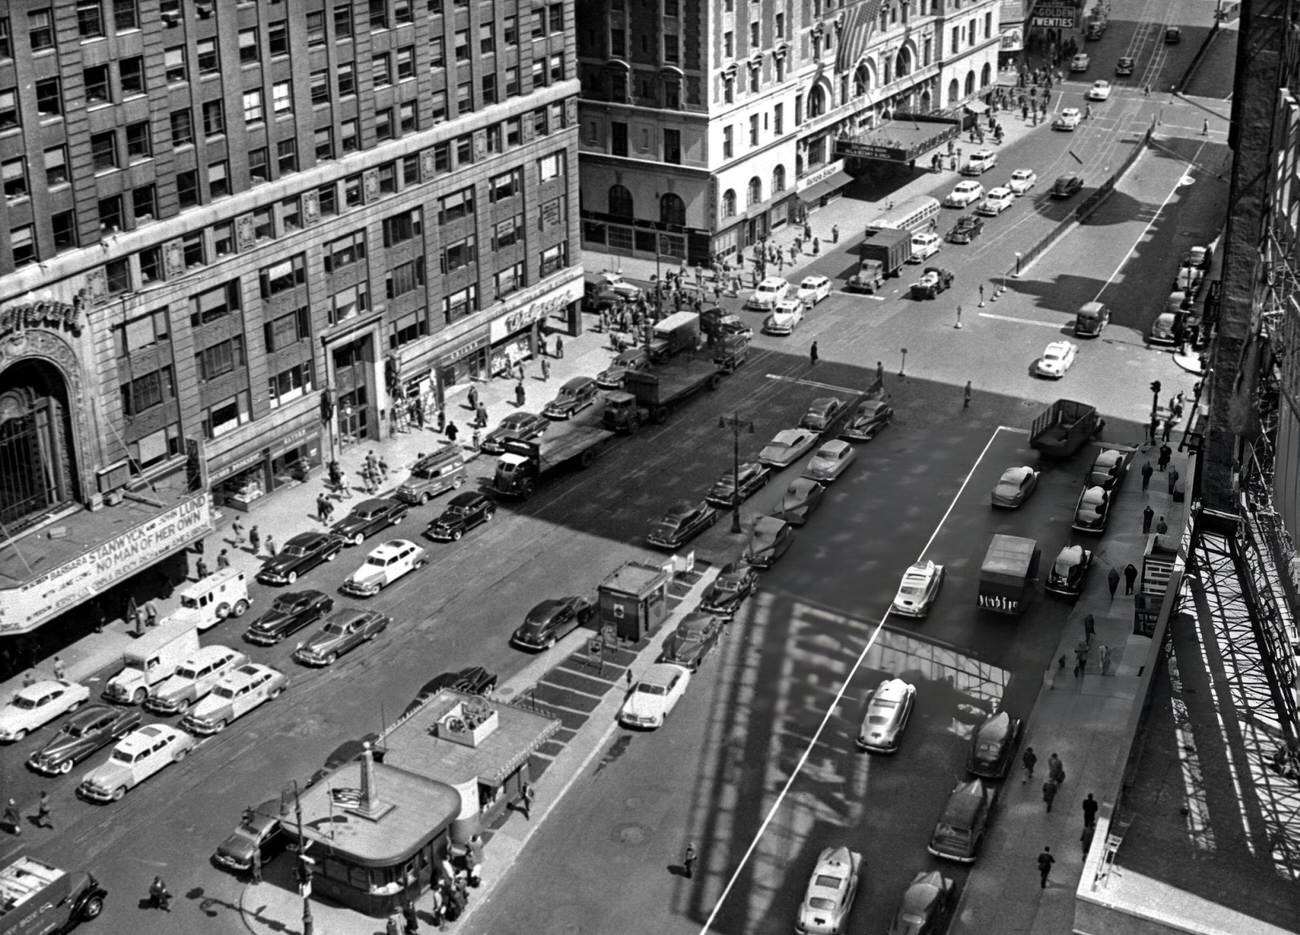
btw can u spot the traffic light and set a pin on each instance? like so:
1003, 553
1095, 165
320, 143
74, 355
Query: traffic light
1155, 387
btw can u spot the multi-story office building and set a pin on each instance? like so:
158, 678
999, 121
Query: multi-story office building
706, 123
238, 235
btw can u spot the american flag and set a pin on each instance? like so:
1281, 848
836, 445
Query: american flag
859, 22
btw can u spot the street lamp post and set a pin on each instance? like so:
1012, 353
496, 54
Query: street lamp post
735, 423
1018, 258
903, 366
304, 868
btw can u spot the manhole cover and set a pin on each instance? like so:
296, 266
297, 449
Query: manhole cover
632, 834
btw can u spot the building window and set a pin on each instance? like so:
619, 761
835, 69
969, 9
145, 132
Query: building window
408, 118
223, 239
403, 12
755, 191
40, 29
506, 185
673, 147
214, 119
464, 97
405, 278
13, 172
456, 206
378, 14
289, 385
402, 227
49, 101
8, 108
388, 178
288, 329
56, 166
345, 251
442, 157
226, 416
728, 142
63, 225
139, 140
347, 73
286, 156
144, 203
291, 214
410, 170
550, 167
437, 53
220, 359
510, 30
509, 280
554, 258
409, 328
778, 180
249, 51
96, 80
282, 97
324, 139
151, 265
316, 28
154, 448
350, 132
264, 223
143, 393
103, 148
6, 39
218, 179
507, 233
259, 165
778, 25
143, 332
406, 62
117, 276
193, 251
328, 199
729, 203
753, 129
489, 88
460, 303
728, 90
458, 255
253, 110
283, 276
131, 72
539, 23
215, 304
110, 213
187, 188
349, 303
209, 64
464, 150
174, 65
22, 243
381, 69
462, 45
277, 38
512, 80
343, 20
353, 193
384, 126
486, 41
182, 128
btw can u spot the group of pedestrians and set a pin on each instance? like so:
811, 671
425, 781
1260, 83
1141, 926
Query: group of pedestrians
1051, 788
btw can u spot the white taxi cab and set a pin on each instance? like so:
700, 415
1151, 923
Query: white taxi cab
235, 695
136, 757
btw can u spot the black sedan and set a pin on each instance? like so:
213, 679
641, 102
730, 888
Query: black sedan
692, 641
967, 228
288, 614
464, 512
86, 731
524, 426
870, 417
821, 413
771, 537
726, 492
926, 906
552, 620
934, 281
367, 518
1067, 186
729, 590
682, 523
473, 680
993, 746
260, 832
298, 556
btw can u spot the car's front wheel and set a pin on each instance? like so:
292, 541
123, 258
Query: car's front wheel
291, 577
92, 908
331, 659
119, 793
64, 768
456, 535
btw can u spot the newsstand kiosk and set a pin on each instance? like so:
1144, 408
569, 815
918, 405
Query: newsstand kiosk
634, 600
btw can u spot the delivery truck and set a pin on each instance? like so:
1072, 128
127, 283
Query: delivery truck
1009, 568
657, 391
523, 465
675, 334
37, 898
152, 658
888, 247
1063, 427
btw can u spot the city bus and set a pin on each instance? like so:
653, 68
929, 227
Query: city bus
914, 214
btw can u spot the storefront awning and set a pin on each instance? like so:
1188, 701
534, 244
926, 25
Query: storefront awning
814, 193
977, 107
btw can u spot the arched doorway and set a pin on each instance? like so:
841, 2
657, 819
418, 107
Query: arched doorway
672, 210
861, 80
926, 101
816, 101
37, 457
953, 94
620, 201
986, 75
970, 82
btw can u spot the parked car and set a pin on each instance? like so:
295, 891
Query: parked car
234, 696
726, 491
1108, 468
1022, 180
1068, 119
1100, 90
464, 511
787, 447
524, 426
729, 589
1015, 486
367, 518
934, 281
967, 228
574, 396
654, 696
925, 244
136, 757
552, 620
260, 832
1164, 329
996, 201
385, 564
784, 318
963, 822
1058, 357
918, 589
830, 461
298, 556
288, 614
768, 292
611, 378
889, 707
980, 162
35, 705
813, 289
1124, 67
771, 538
692, 641
831, 890
870, 417
821, 413
1080, 62
1092, 510
1067, 185
1069, 571
344, 630
615, 284
926, 907
85, 732
193, 679
964, 194
472, 680
993, 746
682, 522
1173, 35
799, 500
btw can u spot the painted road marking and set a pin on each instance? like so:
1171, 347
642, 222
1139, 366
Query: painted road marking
1022, 321
821, 386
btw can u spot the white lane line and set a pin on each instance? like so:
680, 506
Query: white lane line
821, 386
835, 702
1022, 321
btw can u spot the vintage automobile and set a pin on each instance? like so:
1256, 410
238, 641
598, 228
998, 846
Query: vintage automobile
464, 511
1067, 186
1068, 119
720, 325
1173, 35
1108, 468
472, 680
933, 282
831, 890
611, 378
889, 706
1188, 279
234, 696
654, 696
967, 228
1092, 510
753, 477
1124, 66
85, 732
965, 817
552, 620
768, 292
136, 757
784, 318
870, 417
1022, 180
1057, 358
980, 162
918, 589
1100, 90
615, 284
996, 201
288, 614
1164, 330
682, 522
813, 289
692, 641
926, 906
1198, 256
993, 746
1080, 62
821, 413
259, 831
787, 447
799, 500
367, 518
770, 539
574, 396
1015, 486
964, 194
830, 461
298, 556
344, 630
524, 426
386, 564
35, 705
193, 679
728, 591
1069, 571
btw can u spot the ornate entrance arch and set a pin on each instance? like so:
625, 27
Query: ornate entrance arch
42, 425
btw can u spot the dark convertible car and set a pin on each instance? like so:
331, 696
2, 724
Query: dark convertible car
993, 746
682, 523
298, 556
734, 583
692, 641
288, 614
86, 731
550, 620
367, 518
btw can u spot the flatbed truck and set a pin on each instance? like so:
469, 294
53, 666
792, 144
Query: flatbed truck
524, 465
655, 392
1064, 427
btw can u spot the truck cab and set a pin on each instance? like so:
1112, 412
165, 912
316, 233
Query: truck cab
37, 898
153, 658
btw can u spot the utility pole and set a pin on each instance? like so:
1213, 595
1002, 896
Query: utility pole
304, 867
735, 423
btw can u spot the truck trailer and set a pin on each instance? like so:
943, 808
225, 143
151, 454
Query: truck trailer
523, 465
1064, 427
889, 247
658, 390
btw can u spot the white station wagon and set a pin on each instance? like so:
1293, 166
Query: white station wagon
238, 693
964, 194
136, 757
194, 678
384, 565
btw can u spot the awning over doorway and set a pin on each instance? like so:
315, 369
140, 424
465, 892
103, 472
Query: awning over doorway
814, 193
977, 107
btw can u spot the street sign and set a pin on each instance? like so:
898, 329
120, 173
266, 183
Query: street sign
1054, 22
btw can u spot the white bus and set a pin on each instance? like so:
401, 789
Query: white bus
914, 214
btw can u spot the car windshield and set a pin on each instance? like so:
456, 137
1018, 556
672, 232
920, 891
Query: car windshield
77, 730
911, 590
122, 756
821, 902
26, 704
286, 605
294, 550
188, 601
224, 691
379, 560
187, 672
338, 629
645, 688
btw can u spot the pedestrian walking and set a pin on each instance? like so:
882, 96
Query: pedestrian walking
526, 801
59, 670
1161, 526
1165, 454
391, 927
1029, 758
409, 917
159, 896
546, 369
1090, 806
481, 416
965, 403
150, 613
1103, 656
1050, 787
1173, 479
1055, 769
835, 233
559, 347
1045, 861
1148, 514
1165, 429
812, 355
322, 510
520, 394
12, 819
1152, 427
237, 529
1130, 576
255, 866
43, 811
270, 546
1080, 659
476, 440
223, 559
473, 397
452, 432
1112, 582
442, 420
255, 539
880, 372
688, 860
1147, 471
383, 469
